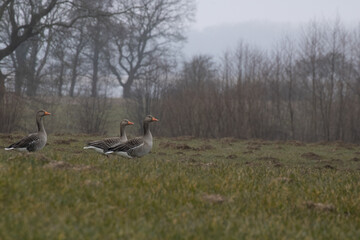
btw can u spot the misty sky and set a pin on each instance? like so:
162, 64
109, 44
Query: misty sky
216, 12
221, 24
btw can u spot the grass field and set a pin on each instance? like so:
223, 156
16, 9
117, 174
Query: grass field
185, 189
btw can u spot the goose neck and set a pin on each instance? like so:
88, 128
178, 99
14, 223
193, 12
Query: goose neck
146, 128
40, 124
122, 130
123, 136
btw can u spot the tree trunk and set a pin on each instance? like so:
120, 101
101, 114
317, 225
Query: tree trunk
95, 77
126, 91
61, 79
32, 81
20, 71
2, 90
74, 73
72, 86
19, 80
127, 86
314, 103
291, 110
2, 96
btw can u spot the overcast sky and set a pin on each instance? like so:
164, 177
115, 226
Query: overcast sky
221, 24
216, 12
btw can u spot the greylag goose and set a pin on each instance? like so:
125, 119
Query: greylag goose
136, 147
102, 146
35, 141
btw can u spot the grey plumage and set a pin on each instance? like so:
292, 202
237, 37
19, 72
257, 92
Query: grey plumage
103, 145
35, 141
136, 147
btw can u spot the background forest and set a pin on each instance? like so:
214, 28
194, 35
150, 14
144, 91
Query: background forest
92, 63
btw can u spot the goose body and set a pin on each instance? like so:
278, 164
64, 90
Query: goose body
101, 146
136, 147
35, 141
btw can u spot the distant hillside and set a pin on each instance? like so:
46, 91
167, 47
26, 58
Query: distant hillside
215, 40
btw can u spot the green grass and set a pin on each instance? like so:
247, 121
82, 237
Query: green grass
217, 189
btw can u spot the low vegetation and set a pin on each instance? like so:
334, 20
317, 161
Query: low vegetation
186, 188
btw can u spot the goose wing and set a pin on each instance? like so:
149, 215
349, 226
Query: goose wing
28, 142
105, 143
112, 141
127, 146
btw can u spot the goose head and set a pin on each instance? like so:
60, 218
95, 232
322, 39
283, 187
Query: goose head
149, 119
126, 122
42, 113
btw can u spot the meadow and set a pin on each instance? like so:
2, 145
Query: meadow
185, 188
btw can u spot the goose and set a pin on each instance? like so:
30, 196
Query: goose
102, 146
35, 141
136, 147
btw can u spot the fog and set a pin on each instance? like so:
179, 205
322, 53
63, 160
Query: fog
218, 12
220, 25
305, 86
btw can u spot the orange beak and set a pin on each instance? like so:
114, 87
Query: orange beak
130, 123
47, 113
154, 119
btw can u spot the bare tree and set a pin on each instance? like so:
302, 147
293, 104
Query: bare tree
26, 20
36, 63
312, 49
289, 56
20, 66
229, 96
59, 53
77, 44
97, 43
146, 33
22, 20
